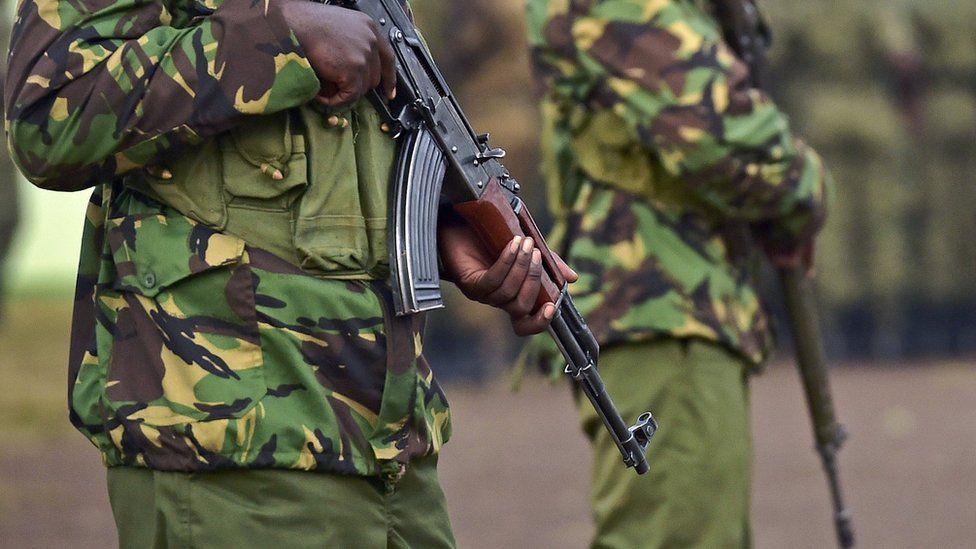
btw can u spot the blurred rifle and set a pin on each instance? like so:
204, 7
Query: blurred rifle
745, 30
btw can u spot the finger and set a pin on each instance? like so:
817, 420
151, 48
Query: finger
326, 89
783, 262
509, 287
568, 273
493, 276
534, 324
375, 71
387, 66
346, 93
524, 302
809, 261
339, 99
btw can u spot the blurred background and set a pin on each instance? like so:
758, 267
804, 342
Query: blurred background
886, 91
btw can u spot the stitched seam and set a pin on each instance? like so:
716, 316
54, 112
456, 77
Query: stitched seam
388, 508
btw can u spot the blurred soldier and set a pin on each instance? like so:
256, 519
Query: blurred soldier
886, 93
9, 205
659, 156
233, 311
8, 217
944, 308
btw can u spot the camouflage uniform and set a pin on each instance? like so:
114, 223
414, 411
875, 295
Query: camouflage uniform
232, 309
9, 217
9, 205
659, 157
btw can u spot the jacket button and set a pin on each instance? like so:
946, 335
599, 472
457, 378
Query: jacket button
149, 280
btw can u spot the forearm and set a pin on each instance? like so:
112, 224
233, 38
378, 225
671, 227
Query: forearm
92, 94
742, 160
681, 92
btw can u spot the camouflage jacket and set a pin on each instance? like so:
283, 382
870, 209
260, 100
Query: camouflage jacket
191, 348
660, 162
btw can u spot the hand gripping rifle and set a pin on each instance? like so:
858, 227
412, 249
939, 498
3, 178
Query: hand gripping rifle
746, 32
443, 163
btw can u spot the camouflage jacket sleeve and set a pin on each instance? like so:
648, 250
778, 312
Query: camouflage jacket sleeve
97, 88
662, 66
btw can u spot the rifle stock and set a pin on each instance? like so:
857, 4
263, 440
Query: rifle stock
496, 222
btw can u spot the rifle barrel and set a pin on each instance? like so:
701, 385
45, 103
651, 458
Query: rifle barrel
812, 363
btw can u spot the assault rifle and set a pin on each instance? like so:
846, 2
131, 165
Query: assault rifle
442, 162
746, 32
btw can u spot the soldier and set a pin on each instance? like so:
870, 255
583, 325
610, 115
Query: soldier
659, 157
233, 330
9, 214
9, 205
941, 128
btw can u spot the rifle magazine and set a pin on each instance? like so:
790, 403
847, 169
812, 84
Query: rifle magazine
416, 192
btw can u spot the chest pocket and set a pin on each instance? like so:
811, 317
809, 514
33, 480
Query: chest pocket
312, 192
264, 170
341, 223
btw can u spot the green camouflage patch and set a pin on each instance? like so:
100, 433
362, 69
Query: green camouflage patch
96, 89
208, 354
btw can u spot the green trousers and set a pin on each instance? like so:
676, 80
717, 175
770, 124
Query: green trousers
279, 509
697, 492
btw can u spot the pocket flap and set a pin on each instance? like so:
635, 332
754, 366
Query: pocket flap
153, 252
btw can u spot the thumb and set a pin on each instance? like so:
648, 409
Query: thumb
343, 95
565, 270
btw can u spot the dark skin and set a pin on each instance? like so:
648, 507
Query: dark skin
346, 49
350, 55
800, 257
511, 282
